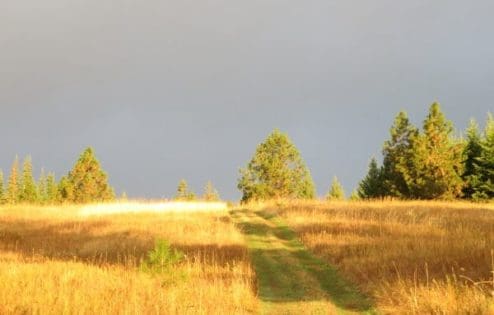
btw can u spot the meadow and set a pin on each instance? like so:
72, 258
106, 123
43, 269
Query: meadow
409, 257
284, 257
59, 260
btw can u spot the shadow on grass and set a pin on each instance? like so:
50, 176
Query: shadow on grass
85, 242
287, 272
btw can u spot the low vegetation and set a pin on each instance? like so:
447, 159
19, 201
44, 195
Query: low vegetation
53, 261
410, 257
389, 257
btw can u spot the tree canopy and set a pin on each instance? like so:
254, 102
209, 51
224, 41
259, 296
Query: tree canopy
183, 192
276, 171
210, 193
13, 183
397, 159
427, 163
430, 163
482, 177
336, 191
436, 160
29, 191
86, 182
372, 186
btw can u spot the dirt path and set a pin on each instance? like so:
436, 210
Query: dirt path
290, 279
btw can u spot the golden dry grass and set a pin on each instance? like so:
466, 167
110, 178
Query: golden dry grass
53, 261
411, 257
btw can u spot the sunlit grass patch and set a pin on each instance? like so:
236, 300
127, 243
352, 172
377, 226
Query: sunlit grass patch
412, 257
53, 261
151, 207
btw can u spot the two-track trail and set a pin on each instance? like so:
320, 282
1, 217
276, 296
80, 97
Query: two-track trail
290, 279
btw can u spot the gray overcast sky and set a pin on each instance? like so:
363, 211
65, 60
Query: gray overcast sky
165, 90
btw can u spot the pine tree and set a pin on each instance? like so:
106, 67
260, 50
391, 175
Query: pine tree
89, 183
42, 195
355, 196
29, 190
436, 160
2, 189
397, 157
336, 191
471, 153
483, 184
183, 192
51, 188
13, 184
65, 190
276, 171
372, 186
210, 193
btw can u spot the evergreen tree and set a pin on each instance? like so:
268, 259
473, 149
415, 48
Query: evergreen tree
13, 183
336, 191
483, 183
276, 171
65, 190
89, 183
42, 195
397, 157
29, 189
2, 189
355, 196
51, 188
372, 186
210, 193
183, 192
471, 153
436, 160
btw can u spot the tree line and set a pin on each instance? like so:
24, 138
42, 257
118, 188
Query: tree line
428, 163
431, 163
184, 193
85, 183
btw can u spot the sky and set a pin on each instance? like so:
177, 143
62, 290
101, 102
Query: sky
165, 90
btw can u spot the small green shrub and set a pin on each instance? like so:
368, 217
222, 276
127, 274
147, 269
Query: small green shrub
161, 258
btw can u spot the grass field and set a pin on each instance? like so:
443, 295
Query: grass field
276, 258
410, 257
53, 261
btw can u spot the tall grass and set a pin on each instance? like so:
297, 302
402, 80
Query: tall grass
53, 261
411, 257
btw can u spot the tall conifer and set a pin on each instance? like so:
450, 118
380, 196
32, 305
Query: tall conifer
372, 186
397, 157
183, 192
336, 191
65, 190
276, 171
51, 188
471, 155
483, 185
13, 183
436, 160
42, 187
28, 191
87, 181
210, 193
